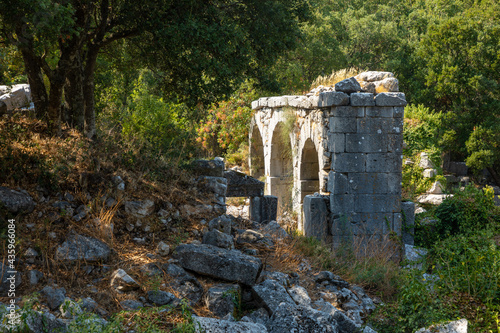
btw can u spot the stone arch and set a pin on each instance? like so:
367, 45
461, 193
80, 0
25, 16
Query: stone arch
309, 170
257, 167
280, 180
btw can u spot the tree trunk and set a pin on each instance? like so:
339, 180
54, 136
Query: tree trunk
37, 85
73, 94
88, 91
54, 108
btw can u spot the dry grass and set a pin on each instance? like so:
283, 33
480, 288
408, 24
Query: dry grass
335, 77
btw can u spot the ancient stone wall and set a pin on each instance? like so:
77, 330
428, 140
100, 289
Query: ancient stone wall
334, 156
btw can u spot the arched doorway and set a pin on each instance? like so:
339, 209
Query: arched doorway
281, 172
309, 170
256, 154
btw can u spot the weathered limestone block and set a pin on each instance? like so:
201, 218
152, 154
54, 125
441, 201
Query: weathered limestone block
375, 203
362, 99
390, 99
349, 85
374, 125
216, 185
241, 185
338, 183
383, 112
229, 265
219, 239
213, 168
390, 84
343, 124
366, 143
214, 325
394, 181
341, 203
408, 227
333, 98
295, 318
349, 162
382, 162
264, 209
372, 76
316, 216
347, 111
368, 182
270, 294
336, 143
458, 326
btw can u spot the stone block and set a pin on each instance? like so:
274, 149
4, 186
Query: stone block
371, 223
385, 162
264, 209
316, 217
377, 203
242, 185
390, 99
362, 99
408, 225
336, 143
395, 143
429, 173
341, 226
326, 161
349, 162
213, 168
343, 124
397, 126
394, 180
229, 265
398, 112
277, 102
372, 76
341, 203
379, 111
347, 111
368, 183
374, 125
349, 85
366, 143
333, 98
397, 223
338, 183
255, 105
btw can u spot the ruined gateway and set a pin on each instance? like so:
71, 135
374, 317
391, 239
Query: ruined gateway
334, 157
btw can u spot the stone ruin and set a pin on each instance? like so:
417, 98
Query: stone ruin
334, 157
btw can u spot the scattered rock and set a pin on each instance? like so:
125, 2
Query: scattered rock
163, 249
249, 236
121, 281
259, 316
300, 295
16, 202
414, 256
30, 255
88, 304
219, 239
78, 247
55, 297
289, 317
229, 265
221, 299
459, 326
221, 223
436, 188
429, 173
433, 199
425, 161
275, 230
131, 304
185, 284
151, 269
35, 276
222, 326
160, 297
35, 322
271, 294
326, 277
140, 209
70, 309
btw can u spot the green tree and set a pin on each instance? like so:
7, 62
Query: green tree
202, 47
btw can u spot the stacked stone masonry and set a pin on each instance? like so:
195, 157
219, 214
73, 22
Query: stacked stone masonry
342, 146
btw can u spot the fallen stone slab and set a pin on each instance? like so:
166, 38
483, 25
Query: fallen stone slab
185, 284
78, 247
433, 199
229, 265
213, 325
15, 201
270, 294
213, 168
221, 299
294, 318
